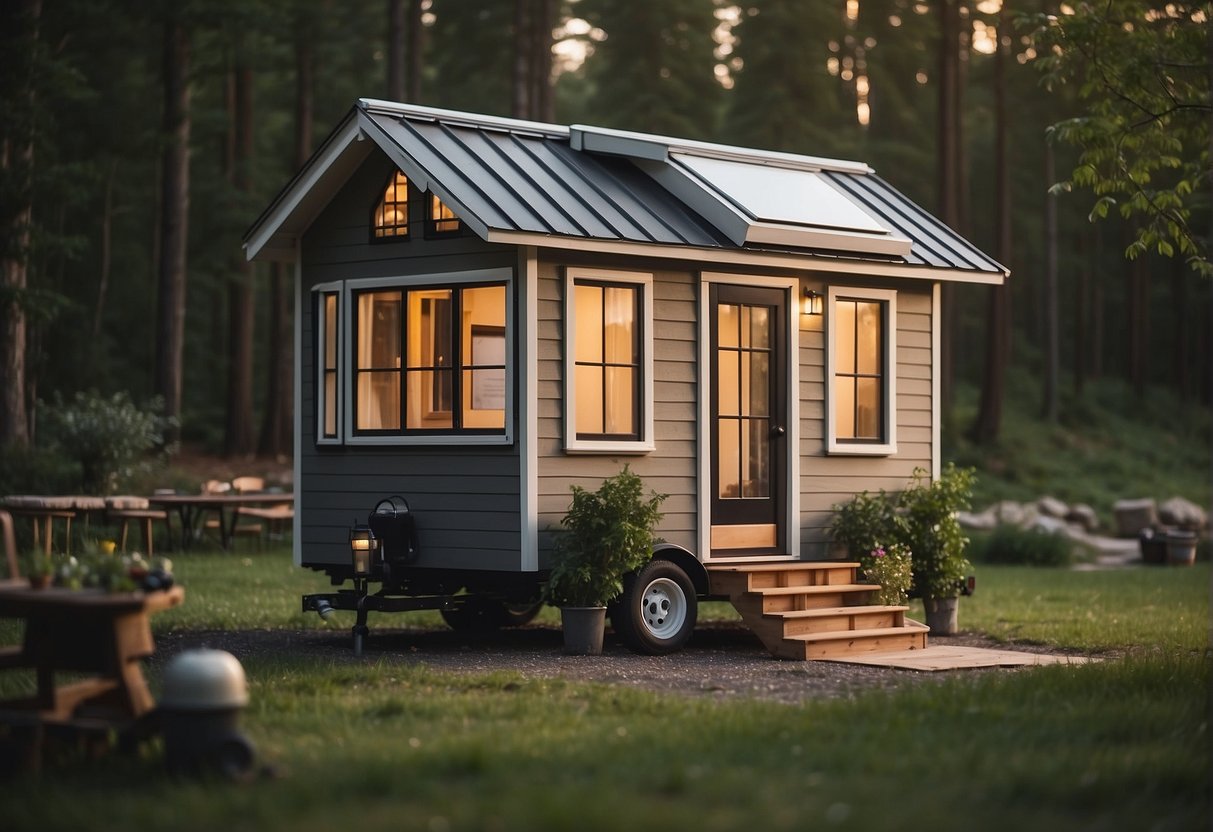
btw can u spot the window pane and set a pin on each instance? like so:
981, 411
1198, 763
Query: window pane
844, 336
867, 411
330, 332
483, 399
378, 405
729, 457
760, 326
868, 323
618, 317
429, 332
483, 326
378, 330
330, 403
620, 387
727, 325
757, 459
392, 213
588, 337
729, 403
844, 408
589, 399
429, 399
443, 218
758, 384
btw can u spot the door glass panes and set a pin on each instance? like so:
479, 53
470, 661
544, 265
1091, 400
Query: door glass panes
743, 400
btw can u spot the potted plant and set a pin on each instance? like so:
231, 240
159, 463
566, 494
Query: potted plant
872, 532
937, 541
39, 568
606, 534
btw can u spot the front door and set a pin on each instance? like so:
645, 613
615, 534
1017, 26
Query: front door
749, 356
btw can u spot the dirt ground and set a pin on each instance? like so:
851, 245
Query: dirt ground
722, 661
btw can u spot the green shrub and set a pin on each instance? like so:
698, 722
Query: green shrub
865, 523
607, 533
1022, 547
111, 438
933, 531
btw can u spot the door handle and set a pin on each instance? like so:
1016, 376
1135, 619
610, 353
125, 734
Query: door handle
778, 432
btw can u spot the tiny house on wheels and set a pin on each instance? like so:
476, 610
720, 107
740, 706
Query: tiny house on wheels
489, 311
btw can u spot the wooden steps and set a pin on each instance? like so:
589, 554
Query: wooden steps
815, 609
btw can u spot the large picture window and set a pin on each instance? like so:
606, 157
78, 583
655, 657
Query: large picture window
430, 359
860, 371
608, 361
414, 361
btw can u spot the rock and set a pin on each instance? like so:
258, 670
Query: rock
983, 522
1134, 515
1183, 513
1083, 515
1008, 511
1052, 507
1047, 524
1028, 518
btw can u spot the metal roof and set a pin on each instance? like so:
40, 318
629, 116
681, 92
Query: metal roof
511, 177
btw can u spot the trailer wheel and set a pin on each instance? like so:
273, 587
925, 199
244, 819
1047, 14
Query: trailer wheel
488, 614
657, 611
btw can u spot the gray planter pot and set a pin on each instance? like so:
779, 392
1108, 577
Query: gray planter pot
941, 615
1181, 548
583, 628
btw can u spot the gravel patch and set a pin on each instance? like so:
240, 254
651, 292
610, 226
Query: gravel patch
723, 661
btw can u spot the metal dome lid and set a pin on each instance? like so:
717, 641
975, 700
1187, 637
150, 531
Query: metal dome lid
199, 680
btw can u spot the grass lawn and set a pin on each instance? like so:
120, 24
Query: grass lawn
1119, 744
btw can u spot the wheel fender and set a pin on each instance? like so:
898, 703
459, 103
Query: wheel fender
686, 561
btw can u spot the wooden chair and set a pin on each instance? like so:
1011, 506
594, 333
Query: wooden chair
125, 510
247, 485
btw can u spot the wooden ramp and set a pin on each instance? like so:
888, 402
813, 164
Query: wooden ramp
815, 609
941, 657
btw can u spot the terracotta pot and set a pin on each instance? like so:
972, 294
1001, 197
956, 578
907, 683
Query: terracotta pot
39, 581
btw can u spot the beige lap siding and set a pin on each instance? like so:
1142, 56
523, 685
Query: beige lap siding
828, 480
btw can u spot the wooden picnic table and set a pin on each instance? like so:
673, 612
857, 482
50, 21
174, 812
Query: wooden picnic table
193, 507
89, 631
44, 510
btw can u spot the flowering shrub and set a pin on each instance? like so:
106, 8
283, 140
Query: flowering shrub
889, 566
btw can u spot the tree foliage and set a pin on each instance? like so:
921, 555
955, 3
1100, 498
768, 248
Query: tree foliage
1142, 71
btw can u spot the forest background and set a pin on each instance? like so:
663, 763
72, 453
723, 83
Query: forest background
140, 141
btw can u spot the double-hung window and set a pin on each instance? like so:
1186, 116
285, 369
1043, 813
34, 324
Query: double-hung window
416, 360
608, 361
861, 345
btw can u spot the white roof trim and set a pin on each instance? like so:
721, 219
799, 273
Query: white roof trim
458, 118
735, 257
658, 148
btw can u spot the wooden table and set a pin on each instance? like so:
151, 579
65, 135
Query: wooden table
104, 635
192, 507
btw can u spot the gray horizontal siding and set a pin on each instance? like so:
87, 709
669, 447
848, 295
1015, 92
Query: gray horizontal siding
466, 500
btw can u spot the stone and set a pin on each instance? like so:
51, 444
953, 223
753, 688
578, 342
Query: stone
1008, 511
1134, 515
1183, 513
983, 522
1052, 507
1084, 516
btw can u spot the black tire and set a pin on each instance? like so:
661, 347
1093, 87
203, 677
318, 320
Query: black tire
657, 611
484, 615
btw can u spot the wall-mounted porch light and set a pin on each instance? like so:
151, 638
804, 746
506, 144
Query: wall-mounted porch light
813, 302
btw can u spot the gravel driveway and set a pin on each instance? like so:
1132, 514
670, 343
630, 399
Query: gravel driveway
722, 661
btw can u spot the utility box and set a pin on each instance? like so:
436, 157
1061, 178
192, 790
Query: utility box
395, 530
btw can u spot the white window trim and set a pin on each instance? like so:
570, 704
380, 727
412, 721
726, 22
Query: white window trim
438, 280
842, 447
318, 291
645, 444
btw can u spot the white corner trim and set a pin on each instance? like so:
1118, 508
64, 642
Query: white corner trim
528, 409
645, 444
834, 446
936, 342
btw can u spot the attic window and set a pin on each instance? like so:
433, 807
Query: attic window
442, 218
392, 212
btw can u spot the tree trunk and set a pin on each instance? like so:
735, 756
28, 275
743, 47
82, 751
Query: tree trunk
1052, 350
1179, 306
998, 330
1138, 321
239, 434
542, 100
1082, 314
521, 102
276, 428
1097, 310
174, 218
395, 50
106, 255
948, 171
416, 33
